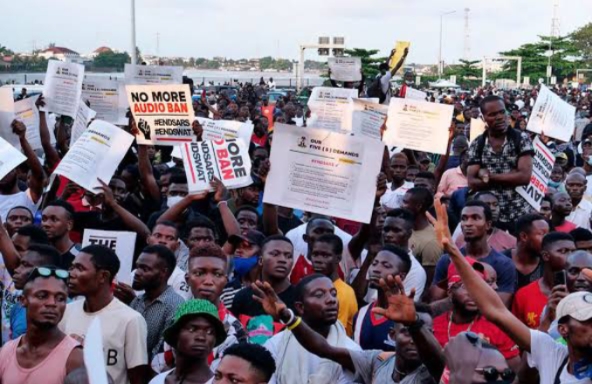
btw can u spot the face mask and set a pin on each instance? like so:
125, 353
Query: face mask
554, 184
243, 266
172, 200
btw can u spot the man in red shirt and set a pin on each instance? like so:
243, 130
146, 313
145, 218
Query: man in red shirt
267, 111
560, 209
465, 317
530, 300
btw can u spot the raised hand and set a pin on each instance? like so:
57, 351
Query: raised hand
264, 169
401, 308
19, 128
380, 185
197, 129
108, 197
441, 223
266, 296
124, 293
40, 102
219, 189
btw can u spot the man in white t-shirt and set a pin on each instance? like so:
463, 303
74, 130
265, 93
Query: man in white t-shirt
387, 74
10, 195
124, 330
393, 197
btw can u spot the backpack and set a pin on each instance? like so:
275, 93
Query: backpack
375, 90
513, 134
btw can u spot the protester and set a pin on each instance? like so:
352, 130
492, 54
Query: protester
57, 221
245, 363
582, 238
575, 184
560, 209
393, 198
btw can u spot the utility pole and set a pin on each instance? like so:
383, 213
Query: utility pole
158, 45
555, 32
440, 63
467, 50
134, 53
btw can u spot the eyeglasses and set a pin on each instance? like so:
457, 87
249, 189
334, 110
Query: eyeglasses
492, 374
47, 272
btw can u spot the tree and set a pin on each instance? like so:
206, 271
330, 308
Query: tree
369, 64
111, 60
464, 70
582, 39
5, 51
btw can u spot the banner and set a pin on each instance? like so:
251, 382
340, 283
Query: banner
107, 98
542, 166
63, 87
366, 118
83, 118
7, 117
324, 172
227, 160
226, 130
153, 74
400, 47
328, 106
552, 116
477, 128
123, 243
345, 68
26, 112
96, 154
10, 158
163, 113
418, 125
414, 94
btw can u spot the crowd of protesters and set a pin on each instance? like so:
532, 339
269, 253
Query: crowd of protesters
456, 279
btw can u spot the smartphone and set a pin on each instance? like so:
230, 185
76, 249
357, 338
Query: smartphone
559, 278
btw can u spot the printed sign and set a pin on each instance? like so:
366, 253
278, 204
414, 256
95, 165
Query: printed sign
83, 118
10, 158
328, 107
107, 98
226, 129
63, 87
153, 74
123, 243
345, 68
26, 111
552, 116
542, 166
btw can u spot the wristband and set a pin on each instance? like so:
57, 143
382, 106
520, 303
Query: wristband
292, 318
223, 201
417, 324
296, 323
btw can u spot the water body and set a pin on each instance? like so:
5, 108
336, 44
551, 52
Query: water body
198, 76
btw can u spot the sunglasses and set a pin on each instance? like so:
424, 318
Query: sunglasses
492, 374
47, 272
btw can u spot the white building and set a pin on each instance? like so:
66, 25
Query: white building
62, 54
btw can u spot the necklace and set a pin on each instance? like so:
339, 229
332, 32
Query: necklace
450, 325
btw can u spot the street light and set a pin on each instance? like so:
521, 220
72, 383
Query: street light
133, 22
440, 66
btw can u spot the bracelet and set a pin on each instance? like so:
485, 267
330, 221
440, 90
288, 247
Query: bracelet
417, 324
296, 323
223, 201
292, 318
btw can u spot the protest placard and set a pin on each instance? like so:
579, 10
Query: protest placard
227, 160
107, 98
414, 94
366, 118
324, 172
26, 112
400, 47
552, 116
328, 106
418, 125
7, 117
10, 157
153, 74
226, 129
63, 87
93, 354
96, 154
542, 166
477, 128
163, 113
345, 68
123, 243
83, 118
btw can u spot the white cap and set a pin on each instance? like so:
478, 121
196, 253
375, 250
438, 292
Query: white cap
577, 305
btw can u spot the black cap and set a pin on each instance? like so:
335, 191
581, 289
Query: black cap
254, 237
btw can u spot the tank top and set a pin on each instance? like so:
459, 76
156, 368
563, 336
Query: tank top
52, 370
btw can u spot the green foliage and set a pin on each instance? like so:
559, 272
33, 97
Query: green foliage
5, 51
112, 60
269, 62
370, 64
582, 39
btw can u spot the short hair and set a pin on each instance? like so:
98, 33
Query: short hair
317, 218
412, 166
64, 204
199, 222
399, 155
247, 208
426, 175
208, 250
424, 196
553, 237
383, 67
581, 234
20, 207
333, 240
524, 222
177, 178
548, 199
489, 99
275, 238
167, 223
480, 194
103, 258
49, 254
257, 355
401, 213
36, 234
302, 284
164, 254
402, 254
478, 203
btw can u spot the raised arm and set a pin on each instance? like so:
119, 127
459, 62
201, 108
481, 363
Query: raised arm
270, 211
441, 167
37, 179
146, 174
488, 301
9, 253
175, 212
52, 156
400, 63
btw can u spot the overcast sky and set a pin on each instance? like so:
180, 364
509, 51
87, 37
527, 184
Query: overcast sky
256, 28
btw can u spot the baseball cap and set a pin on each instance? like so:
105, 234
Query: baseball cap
577, 305
453, 277
195, 307
561, 156
253, 237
